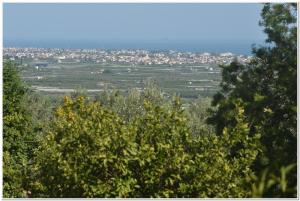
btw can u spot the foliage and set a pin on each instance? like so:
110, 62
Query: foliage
131, 106
197, 114
40, 108
92, 152
267, 87
225, 161
17, 136
274, 184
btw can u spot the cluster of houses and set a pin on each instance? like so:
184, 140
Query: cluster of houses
133, 57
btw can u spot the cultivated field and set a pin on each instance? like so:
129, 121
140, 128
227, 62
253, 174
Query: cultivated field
186, 81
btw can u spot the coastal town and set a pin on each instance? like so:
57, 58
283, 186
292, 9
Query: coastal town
42, 56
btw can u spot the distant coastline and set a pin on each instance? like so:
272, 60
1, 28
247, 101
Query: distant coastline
236, 47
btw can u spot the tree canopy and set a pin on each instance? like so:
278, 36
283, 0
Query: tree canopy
267, 87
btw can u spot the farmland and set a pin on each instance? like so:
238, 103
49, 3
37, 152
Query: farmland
187, 81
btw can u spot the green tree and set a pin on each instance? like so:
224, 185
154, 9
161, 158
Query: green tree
91, 151
267, 87
18, 138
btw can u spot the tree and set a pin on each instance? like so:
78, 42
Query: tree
267, 87
17, 134
91, 151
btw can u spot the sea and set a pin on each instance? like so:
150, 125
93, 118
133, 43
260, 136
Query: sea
235, 47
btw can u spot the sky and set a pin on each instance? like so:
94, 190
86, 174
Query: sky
132, 22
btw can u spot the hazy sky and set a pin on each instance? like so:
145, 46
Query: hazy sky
132, 22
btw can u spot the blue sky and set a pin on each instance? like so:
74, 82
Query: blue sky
132, 22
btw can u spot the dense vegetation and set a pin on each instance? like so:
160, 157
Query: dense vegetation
146, 145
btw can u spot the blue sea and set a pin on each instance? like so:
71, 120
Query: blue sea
236, 47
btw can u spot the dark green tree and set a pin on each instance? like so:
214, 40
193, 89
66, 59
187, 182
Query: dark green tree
267, 87
17, 134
